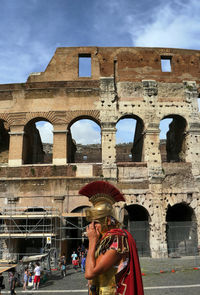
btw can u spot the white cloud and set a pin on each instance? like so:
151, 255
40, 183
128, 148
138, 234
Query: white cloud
46, 131
164, 127
125, 130
173, 24
86, 132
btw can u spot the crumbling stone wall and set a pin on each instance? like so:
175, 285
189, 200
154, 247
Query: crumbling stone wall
125, 83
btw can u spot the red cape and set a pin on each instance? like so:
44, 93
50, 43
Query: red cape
130, 282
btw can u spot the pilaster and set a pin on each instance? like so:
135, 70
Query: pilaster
158, 242
16, 145
193, 147
108, 134
60, 144
152, 152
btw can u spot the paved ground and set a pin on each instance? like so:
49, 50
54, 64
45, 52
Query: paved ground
158, 279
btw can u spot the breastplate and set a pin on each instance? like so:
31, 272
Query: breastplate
105, 283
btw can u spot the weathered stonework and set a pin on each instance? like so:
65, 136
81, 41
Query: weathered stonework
124, 83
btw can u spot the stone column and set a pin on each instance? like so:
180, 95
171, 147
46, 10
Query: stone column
108, 142
192, 144
193, 148
16, 145
60, 144
197, 214
158, 242
119, 211
151, 151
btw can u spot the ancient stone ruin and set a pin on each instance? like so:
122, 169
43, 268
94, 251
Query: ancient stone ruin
160, 178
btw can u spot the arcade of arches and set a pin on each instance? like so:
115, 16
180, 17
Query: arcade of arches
34, 151
128, 123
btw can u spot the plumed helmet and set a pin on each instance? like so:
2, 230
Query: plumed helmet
102, 195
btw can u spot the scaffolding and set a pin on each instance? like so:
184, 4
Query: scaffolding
28, 223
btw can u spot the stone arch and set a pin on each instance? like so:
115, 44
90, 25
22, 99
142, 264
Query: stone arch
83, 152
134, 150
137, 220
51, 117
35, 209
173, 148
181, 230
7, 119
80, 208
33, 148
72, 116
36, 223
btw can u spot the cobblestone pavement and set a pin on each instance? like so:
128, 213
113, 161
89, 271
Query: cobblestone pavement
160, 277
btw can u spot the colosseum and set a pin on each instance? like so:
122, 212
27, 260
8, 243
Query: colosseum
160, 178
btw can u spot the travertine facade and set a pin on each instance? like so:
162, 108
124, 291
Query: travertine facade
124, 83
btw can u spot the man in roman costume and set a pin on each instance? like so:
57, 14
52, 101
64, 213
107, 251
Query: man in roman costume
112, 264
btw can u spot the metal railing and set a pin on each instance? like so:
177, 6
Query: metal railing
28, 211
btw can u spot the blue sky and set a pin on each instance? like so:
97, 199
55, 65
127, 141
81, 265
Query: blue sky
31, 30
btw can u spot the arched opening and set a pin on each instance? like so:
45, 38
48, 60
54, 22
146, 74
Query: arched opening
38, 142
136, 220
181, 230
75, 228
84, 142
129, 139
172, 138
37, 227
4, 142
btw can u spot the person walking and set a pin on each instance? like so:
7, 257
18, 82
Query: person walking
2, 286
37, 272
112, 263
75, 261
25, 280
83, 259
12, 282
63, 265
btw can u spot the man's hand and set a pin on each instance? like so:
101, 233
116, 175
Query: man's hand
92, 233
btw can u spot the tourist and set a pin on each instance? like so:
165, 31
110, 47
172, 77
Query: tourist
75, 261
12, 281
36, 281
79, 253
112, 262
26, 274
83, 259
62, 265
2, 286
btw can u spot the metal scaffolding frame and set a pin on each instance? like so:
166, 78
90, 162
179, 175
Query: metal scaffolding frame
29, 223
38, 222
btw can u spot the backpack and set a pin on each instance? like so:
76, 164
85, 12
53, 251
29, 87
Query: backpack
63, 267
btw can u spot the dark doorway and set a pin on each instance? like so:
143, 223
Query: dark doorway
136, 220
181, 230
75, 227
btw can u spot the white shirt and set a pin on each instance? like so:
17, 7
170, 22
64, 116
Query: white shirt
74, 256
37, 271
